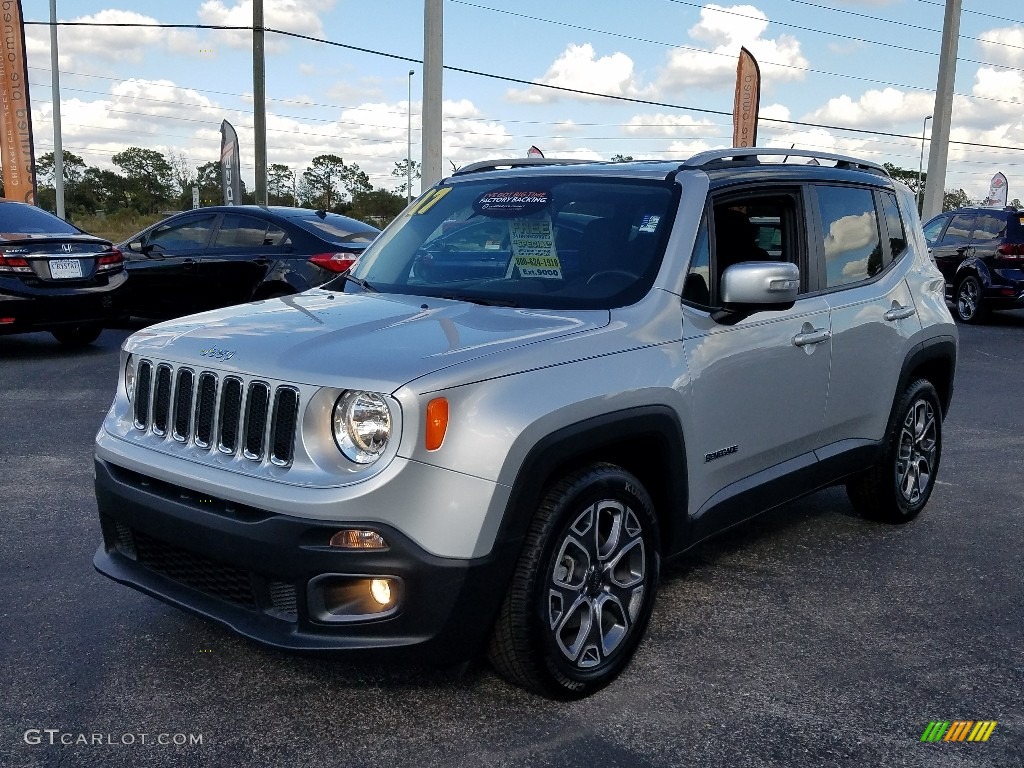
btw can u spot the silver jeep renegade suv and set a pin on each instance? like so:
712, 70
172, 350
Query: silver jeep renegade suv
540, 381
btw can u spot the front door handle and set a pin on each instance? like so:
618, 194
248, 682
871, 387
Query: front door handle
189, 263
809, 335
899, 313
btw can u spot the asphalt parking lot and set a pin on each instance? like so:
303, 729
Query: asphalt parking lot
807, 638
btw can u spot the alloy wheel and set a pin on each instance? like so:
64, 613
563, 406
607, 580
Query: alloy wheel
967, 299
915, 461
596, 585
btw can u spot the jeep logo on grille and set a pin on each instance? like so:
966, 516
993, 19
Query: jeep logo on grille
217, 354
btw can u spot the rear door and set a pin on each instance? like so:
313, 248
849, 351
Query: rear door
862, 249
164, 266
953, 246
242, 252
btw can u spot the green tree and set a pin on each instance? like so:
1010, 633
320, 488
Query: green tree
954, 199
74, 167
621, 158
907, 177
149, 176
208, 178
280, 185
401, 171
321, 182
378, 206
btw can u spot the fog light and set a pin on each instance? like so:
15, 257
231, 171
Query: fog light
355, 539
381, 591
337, 597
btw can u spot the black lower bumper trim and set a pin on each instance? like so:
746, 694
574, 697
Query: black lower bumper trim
250, 573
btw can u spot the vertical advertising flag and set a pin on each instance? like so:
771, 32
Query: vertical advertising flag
747, 101
997, 192
16, 151
231, 180
534, 152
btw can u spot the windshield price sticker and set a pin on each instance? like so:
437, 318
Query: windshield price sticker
649, 223
533, 248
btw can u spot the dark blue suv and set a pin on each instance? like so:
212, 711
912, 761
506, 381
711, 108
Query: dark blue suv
981, 254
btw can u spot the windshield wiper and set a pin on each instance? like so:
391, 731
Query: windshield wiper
358, 281
483, 301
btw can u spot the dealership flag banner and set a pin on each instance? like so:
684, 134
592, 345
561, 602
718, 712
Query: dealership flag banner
997, 192
231, 179
747, 101
16, 153
534, 152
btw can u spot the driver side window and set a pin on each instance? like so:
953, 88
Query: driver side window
192, 233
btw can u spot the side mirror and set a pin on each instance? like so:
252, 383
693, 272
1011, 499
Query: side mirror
756, 286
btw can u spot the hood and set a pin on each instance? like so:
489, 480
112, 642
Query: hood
376, 342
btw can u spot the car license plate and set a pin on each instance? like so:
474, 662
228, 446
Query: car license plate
62, 269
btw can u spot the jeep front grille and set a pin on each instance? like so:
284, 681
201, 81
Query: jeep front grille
255, 420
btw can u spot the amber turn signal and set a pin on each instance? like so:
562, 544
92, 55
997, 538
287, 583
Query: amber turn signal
437, 422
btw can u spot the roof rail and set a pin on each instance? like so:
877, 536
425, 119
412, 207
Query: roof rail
514, 162
750, 154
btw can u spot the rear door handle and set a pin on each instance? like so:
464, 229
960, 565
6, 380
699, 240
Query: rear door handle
899, 313
812, 336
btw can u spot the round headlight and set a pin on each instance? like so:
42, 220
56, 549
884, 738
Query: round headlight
129, 378
362, 426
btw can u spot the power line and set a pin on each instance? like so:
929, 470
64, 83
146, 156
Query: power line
977, 13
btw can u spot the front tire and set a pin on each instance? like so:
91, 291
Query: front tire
583, 588
968, 303
77, 335
896, 489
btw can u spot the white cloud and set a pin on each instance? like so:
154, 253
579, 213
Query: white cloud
725, 29
300, 16
660, 125
106, 42
875, 109
580, 68
849, 234
1003, 46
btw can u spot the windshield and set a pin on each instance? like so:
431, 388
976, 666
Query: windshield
539, 242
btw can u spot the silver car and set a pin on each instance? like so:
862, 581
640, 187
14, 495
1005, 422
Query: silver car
541, 381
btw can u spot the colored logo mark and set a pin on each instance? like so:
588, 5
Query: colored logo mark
958, 730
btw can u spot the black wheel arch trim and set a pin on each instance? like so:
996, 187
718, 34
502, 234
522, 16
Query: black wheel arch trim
930, 359
602, 438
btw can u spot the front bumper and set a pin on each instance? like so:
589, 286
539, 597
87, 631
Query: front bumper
258, 573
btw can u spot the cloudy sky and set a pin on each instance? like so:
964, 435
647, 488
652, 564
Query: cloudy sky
869, 65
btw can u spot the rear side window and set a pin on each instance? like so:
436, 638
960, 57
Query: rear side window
248, 232
989, 226
933, 228
29, 220
852, 244
893, 225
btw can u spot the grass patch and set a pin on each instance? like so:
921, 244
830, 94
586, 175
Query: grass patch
117, 226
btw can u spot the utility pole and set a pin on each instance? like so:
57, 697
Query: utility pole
939, 152
433, 63
58, 144
259, 101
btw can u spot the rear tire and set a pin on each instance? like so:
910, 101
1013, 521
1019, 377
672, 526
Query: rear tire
896, 489
584, 586
77, 335
967, 301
